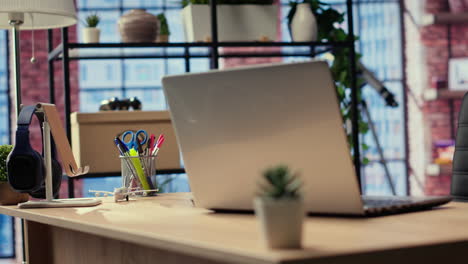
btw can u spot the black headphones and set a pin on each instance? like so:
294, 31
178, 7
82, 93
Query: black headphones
26, 168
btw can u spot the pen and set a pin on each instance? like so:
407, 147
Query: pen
150, 143
126, 161
122, 145
158, 145
139, 146
118, 147
157, 142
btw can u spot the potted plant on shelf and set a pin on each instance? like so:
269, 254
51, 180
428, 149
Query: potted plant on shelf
279, 208
8, 196
164, 32
238, 20
91, 33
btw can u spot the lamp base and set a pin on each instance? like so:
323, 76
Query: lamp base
60, 203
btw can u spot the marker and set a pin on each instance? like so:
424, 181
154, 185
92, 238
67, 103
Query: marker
150, 143
139, 169
158, 145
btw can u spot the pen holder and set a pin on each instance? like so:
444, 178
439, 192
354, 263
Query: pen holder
137, 172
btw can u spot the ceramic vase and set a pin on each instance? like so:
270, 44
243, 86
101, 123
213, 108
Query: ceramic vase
281, 221
304, 24
8, 196
138, 26
91, 35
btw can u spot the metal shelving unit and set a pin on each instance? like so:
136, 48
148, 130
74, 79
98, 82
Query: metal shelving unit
63, 50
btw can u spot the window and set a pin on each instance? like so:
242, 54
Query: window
6, 223
379, 29
376, 22
102, 79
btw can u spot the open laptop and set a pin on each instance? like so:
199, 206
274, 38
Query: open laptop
233, 124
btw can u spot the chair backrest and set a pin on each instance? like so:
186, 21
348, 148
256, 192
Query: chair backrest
459, 188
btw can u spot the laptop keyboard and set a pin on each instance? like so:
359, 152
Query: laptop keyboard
372, 203
399, 204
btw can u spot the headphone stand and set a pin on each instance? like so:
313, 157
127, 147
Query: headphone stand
50, 202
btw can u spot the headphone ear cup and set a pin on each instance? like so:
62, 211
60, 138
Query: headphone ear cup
38, 191
56, 182
25, 170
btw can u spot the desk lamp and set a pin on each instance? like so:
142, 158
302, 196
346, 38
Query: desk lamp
31, 15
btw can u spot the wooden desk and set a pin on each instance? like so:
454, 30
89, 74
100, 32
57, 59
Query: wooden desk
167, 229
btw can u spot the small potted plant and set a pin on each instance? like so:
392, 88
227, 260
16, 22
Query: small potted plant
8, 196
164, 32
280, 208
91, 33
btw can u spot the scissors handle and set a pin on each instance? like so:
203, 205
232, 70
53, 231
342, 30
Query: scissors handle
142, 139
129, 143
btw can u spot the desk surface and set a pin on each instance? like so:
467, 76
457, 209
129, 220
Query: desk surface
170, 222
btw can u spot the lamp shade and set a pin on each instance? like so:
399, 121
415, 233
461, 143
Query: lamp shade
39, 14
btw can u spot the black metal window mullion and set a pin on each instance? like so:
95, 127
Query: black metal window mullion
122, 61
378, 6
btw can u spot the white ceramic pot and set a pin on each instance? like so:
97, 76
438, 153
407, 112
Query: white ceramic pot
235, 22
304, 24
281, 221
91, 35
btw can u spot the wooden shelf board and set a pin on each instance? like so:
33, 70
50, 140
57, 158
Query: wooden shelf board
450, 94
435, 94
445, 18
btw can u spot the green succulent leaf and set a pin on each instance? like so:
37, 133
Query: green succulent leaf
279, 183
4, 152
92, 20
164, 26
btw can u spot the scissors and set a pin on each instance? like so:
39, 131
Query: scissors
137, 138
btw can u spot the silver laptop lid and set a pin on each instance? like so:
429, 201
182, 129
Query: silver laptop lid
233, 124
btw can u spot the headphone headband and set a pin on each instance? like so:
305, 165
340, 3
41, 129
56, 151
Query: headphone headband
24, 121
25, 116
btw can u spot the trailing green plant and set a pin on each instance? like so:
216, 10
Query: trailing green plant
329, 23
92, 20
228, 2
4, 151
164, 30
280, 183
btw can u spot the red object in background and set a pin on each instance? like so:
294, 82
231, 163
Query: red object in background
458, 6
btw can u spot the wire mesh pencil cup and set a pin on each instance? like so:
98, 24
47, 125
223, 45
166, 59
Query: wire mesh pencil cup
137, 172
